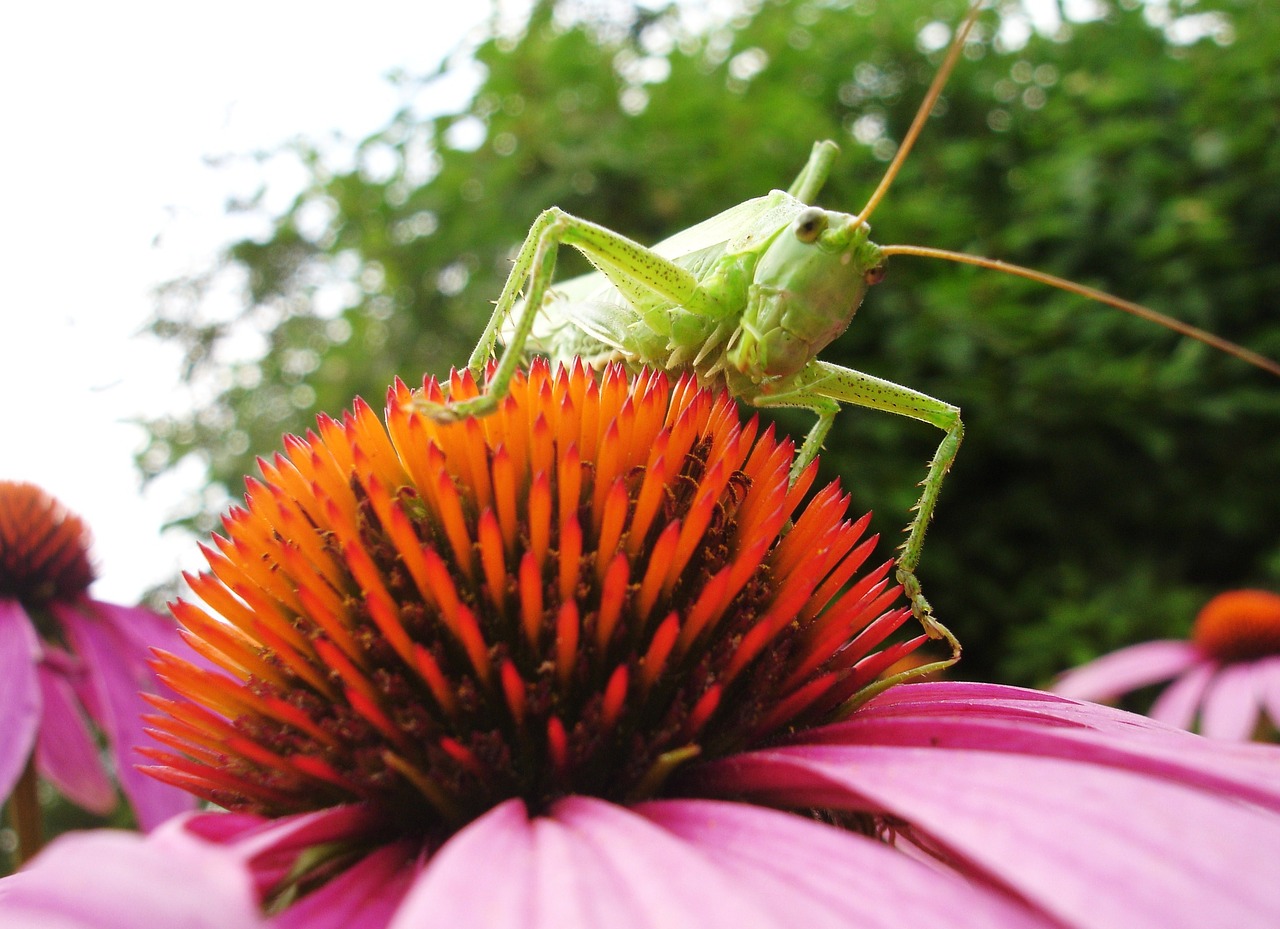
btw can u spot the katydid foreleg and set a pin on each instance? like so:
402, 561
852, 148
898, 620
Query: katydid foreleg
822, 387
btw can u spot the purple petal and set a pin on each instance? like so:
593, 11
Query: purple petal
225, 828
255, 836
1178, 704
66, 750
1231, 709
1128, 669
272, 847
1269, 676
993, 717
144, 629
364, 896
1054, 830
452, 892
710, 865
600, 864
19, 693
118, 670
110, 879
809, 874
588, 864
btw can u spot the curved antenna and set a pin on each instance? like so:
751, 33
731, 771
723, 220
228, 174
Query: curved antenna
1137, 309
922, 114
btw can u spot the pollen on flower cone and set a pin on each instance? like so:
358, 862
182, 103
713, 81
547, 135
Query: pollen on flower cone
597, 583
1239, 625
44, 548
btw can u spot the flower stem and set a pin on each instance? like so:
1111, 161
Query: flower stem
24, 812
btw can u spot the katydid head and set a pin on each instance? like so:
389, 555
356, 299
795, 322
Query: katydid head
807, 285
811, 278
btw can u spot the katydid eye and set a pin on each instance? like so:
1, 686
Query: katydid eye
810, 224
874, 275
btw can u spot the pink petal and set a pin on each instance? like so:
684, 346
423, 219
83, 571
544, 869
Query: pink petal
224, 828
271, 848
144, 629
993, 717
118, 670
364, 896
628, 872
810, 874
452, 890
590, 863
110, 879
1269, 676
1092, 845
66, 750
1178, 704
19, 693
1128, 669
257, 836
1230, 708
929, 694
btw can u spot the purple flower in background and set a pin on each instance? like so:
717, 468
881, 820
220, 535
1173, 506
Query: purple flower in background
1226, 678
71, 666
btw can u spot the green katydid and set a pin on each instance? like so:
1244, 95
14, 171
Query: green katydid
746, 300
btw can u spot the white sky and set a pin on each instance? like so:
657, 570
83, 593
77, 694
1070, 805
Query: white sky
107, 112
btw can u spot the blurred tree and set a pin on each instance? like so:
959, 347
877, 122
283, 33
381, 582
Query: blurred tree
1113, 476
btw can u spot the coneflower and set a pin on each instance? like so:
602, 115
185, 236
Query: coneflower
593, 661
1226, 677
70, 669
583, 594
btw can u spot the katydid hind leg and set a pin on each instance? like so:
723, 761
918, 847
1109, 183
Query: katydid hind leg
632, 267
520, 271
822, 388
535, 261
815, 172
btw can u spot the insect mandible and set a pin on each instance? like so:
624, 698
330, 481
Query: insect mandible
747, 300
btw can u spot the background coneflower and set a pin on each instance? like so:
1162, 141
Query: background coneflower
1226, 678
69, 665
592, 661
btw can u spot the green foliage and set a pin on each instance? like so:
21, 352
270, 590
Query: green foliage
1113, 475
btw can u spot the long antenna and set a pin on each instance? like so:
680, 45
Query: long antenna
922, 114
1137, 309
